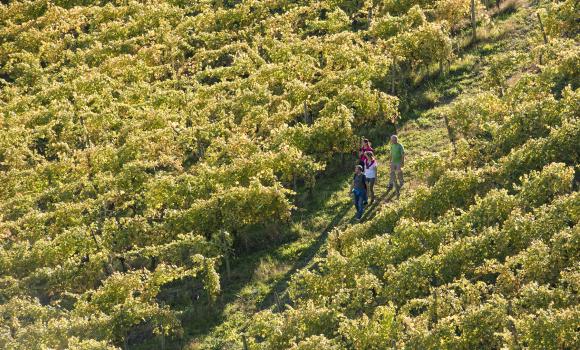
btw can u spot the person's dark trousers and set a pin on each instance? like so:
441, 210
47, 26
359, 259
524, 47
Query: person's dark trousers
366, 199
359, 198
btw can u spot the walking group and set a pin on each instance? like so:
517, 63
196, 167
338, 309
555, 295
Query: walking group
365, 174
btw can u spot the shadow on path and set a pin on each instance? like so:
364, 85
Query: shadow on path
278, 294
372, 209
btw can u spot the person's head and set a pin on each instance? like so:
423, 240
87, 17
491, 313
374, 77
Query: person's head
394, 139
358, 169
370, 155
366, 142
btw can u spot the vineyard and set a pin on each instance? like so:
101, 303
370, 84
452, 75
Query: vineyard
152, 151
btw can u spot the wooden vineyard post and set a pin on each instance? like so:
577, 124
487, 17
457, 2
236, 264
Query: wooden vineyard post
226, 254
393, 74
512, 326
244, 342
450, 134
473, 22
306, 113
222, 239
543, 34
542, 28
162, 335
278, 306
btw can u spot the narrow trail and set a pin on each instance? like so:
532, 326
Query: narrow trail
278, 295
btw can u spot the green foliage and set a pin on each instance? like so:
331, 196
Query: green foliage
134, 134
143, 143
377, 332
561, 18
455, 12
541, 187
296, 325
501, 68
485, 255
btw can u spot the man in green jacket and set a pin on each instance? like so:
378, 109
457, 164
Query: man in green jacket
397, 163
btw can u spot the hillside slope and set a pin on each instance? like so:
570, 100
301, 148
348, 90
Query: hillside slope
174, 174
484, 254
429, 148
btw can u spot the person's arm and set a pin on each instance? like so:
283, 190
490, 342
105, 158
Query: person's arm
402, 156
351, 186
